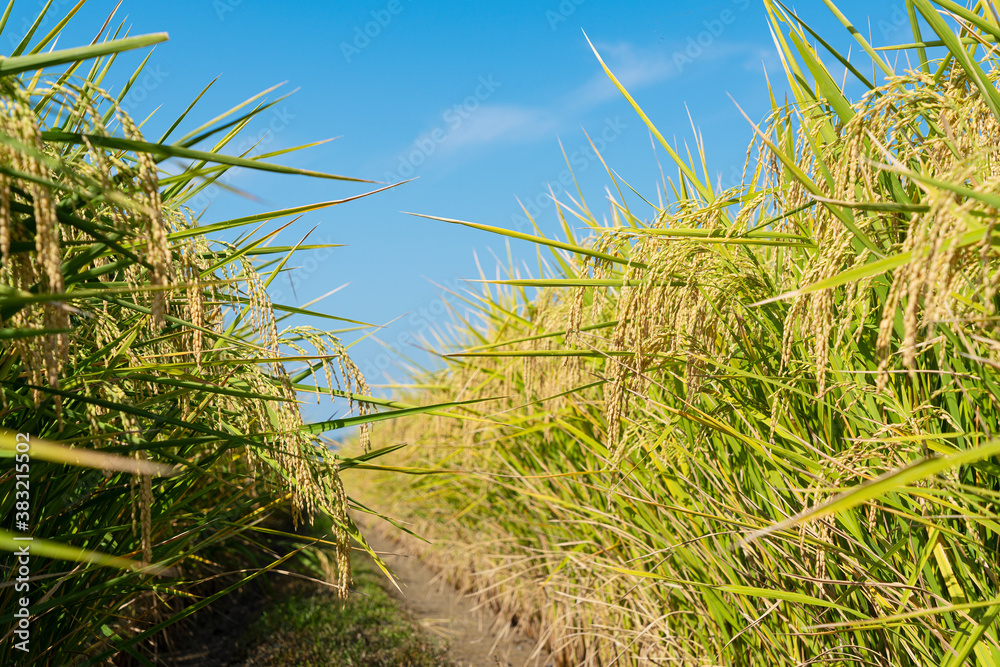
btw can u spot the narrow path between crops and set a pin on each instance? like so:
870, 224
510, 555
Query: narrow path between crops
475, 636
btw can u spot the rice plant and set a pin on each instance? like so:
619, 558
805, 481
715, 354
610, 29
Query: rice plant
751, 426
150, 388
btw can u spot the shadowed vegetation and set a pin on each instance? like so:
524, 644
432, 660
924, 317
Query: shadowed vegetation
312, 627
141, 358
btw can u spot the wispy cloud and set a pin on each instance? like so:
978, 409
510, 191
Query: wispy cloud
634, 68
477, 123
499, 122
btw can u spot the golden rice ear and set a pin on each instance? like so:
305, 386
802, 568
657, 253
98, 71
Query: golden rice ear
341, 519
865, 269
163, 361
5, 214
158, 253
194, 306
44, 354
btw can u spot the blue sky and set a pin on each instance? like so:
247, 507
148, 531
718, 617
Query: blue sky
471, 99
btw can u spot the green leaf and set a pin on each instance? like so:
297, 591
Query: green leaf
14, 542
334, 424
44, 450
164, 151
20, 64
891, 481
787, 596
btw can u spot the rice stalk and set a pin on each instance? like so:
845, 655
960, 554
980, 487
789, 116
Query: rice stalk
782, 451
128, 332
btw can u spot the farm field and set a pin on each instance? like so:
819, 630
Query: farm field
748, 420
757, 426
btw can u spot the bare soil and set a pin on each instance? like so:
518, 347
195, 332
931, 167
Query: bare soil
475, 636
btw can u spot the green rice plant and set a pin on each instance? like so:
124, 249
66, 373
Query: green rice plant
754, 426
144, 368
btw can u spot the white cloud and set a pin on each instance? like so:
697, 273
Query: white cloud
494, 123
475, 123
634, 69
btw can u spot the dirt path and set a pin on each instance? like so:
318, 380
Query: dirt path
476, 636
